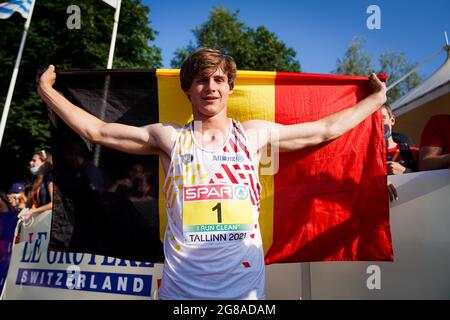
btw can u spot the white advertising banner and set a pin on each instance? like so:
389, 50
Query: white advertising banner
420, 229
36, 273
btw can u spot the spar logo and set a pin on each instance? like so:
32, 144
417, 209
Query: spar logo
240, 192
215, 192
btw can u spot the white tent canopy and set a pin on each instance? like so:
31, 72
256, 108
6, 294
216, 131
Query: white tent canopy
438, 84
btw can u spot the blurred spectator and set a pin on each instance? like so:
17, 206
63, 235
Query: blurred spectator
401, 156
435, 143
135, 185
40, 196
17, 197
79, 169
5, 205
402, 138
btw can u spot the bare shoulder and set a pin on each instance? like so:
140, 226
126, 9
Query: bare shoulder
259, 128
257, 125
163, 127
164, 134
258, 132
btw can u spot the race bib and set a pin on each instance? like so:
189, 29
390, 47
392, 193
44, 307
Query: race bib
216, 213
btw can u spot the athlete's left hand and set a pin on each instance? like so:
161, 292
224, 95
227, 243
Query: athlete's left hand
378, 88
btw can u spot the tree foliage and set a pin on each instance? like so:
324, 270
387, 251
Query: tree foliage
253, 49
395, 64
51, 41
355, 62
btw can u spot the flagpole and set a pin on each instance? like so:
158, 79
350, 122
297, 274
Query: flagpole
114, 34
415, 68
98, 148
12, 84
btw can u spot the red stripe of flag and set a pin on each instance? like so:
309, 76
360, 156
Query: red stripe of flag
331, 201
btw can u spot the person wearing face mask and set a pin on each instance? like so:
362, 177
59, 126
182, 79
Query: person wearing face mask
401, 156
17, 197
40, 196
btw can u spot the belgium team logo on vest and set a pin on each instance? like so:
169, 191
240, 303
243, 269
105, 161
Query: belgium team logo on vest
187, 158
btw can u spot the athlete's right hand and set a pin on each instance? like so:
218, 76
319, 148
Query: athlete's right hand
48, 78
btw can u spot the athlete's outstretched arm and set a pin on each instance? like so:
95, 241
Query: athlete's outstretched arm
150, 139
298, 136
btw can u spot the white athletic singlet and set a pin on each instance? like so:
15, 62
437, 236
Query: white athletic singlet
212, 244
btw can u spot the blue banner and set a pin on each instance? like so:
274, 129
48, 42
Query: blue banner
75, 279
8, 221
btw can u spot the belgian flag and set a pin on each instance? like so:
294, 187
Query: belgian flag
328, 202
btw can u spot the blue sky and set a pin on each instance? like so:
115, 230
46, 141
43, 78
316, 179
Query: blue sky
320, 31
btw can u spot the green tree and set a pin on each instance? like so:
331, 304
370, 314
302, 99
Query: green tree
395, 64
51, 41
355, 62
253, 49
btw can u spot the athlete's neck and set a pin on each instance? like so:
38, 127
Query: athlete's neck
212, 131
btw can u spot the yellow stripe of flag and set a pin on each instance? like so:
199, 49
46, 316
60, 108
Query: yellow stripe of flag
253, 97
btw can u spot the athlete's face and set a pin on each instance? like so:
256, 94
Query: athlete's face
209, 94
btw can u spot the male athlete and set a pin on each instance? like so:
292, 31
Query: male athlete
212, 243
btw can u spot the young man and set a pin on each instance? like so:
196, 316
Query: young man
435, 143
401, 158
212, 244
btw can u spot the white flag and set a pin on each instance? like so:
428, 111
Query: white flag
20, 6
112, 3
